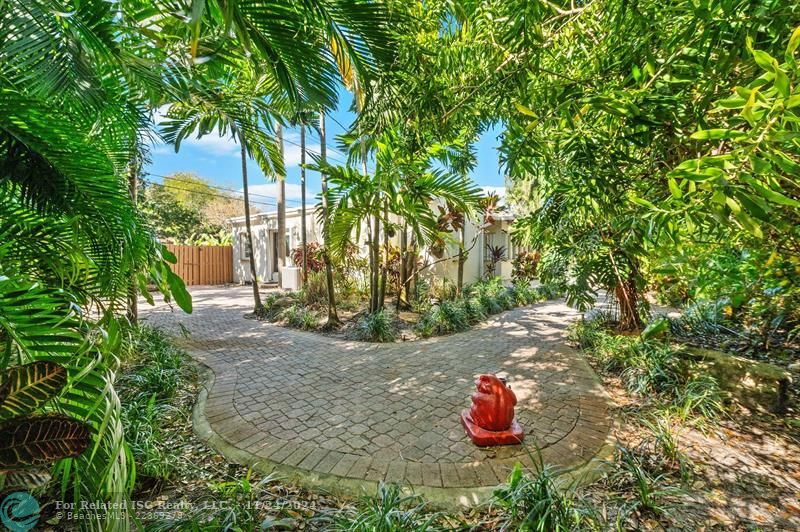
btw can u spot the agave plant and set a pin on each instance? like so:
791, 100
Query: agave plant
29, 439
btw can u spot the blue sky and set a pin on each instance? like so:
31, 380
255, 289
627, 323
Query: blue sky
218, 161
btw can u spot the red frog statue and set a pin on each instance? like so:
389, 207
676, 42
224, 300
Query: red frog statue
490, 419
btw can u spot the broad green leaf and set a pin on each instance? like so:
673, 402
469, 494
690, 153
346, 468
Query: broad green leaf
28, 387
179, 292
716, 134
733, 204
524, 110
774, 196
794, 42
674, 189
41, 440
654, 328
765, 61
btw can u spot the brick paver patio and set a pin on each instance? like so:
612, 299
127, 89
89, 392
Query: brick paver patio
370, 412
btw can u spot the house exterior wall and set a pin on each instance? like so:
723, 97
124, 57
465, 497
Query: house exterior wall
265, 226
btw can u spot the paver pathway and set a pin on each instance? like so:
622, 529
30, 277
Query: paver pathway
359, 413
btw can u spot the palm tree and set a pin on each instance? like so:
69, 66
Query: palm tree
333, 316
408, 189
281, 242
240, 109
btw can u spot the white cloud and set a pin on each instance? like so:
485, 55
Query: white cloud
499, 191
271, 190
214, 145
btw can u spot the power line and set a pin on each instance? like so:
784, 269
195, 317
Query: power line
217, 187
162, 185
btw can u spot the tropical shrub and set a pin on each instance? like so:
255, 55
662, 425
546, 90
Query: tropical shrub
376, 327
444, 318
649, 368
33, 436
524, 266
535, 502
388, 511
153, 373
314, 259
300, 317
315, 289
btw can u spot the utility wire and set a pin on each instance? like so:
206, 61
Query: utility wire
162, 185
217, 187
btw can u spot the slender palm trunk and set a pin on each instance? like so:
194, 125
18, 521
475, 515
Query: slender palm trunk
401, 280
281, 210
333, 317
385, 268
462, 258
258, 307
133, 295
376, 259
303, 242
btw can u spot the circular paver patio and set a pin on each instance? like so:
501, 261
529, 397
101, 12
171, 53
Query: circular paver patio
350, 414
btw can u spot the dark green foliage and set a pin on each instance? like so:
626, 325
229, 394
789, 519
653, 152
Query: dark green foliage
649, 368
444, 318
376, 327
300, 317
154, 373
389, 511
536, 502
156, 367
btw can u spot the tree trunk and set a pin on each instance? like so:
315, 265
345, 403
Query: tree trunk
385, 268
303, 242
628, 299
412, 289
258, 307
333, 317
281, 210
627, 294
133, 295
376, 253
371, 248
401, 279
461, 259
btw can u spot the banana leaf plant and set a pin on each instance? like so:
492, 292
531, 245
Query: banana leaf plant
31, 439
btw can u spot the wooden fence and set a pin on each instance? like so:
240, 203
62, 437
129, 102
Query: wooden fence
203, 264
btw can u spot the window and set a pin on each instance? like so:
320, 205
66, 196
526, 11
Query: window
244, 247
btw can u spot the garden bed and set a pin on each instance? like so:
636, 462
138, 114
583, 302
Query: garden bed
435, 312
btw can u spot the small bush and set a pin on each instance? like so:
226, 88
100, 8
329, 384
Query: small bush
535, 502
300, 317
156, 366
389, 511
147, 387
524, 266
376, 327
142, 419
315, 290
648, 488
523, 294
445, 318
474, 310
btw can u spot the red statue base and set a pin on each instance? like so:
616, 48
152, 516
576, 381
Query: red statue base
486, 438
490, 420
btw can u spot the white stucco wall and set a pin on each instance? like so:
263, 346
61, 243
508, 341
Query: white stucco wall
264, 227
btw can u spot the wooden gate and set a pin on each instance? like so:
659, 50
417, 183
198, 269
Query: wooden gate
203, 264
